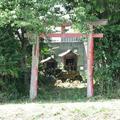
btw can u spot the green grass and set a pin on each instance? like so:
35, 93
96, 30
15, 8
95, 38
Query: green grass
57, 94
50, 94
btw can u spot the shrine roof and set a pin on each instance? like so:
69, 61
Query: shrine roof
47, 59
66, 52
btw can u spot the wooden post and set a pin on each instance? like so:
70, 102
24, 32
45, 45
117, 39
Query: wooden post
34, 70
90, 64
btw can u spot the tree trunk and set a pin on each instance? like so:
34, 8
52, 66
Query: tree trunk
23, 63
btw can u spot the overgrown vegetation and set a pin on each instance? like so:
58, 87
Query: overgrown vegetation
22, 16
107, 56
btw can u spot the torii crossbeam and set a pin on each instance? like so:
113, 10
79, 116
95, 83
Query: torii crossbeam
72, 35
90, 58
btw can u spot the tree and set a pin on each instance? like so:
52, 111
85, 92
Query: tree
16, 19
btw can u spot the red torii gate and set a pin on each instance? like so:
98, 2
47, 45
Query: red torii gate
90, 59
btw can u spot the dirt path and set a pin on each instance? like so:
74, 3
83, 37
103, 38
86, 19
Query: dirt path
107, 110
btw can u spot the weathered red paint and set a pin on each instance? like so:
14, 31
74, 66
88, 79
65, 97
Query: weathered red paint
34, 71
91, 63
36, 79
36, 67
37, 50
97, 35
70, 35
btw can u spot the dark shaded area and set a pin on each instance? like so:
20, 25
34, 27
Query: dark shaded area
70, 61
57, 94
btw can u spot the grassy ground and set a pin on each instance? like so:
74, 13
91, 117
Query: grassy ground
64, 101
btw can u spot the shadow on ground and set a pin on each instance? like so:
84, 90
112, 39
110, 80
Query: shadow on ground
58, 94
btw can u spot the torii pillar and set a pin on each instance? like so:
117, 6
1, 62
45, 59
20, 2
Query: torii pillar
90, 62
90, 55
34, 70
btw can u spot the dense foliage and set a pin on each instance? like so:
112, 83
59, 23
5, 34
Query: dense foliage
17, 19
107, 56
